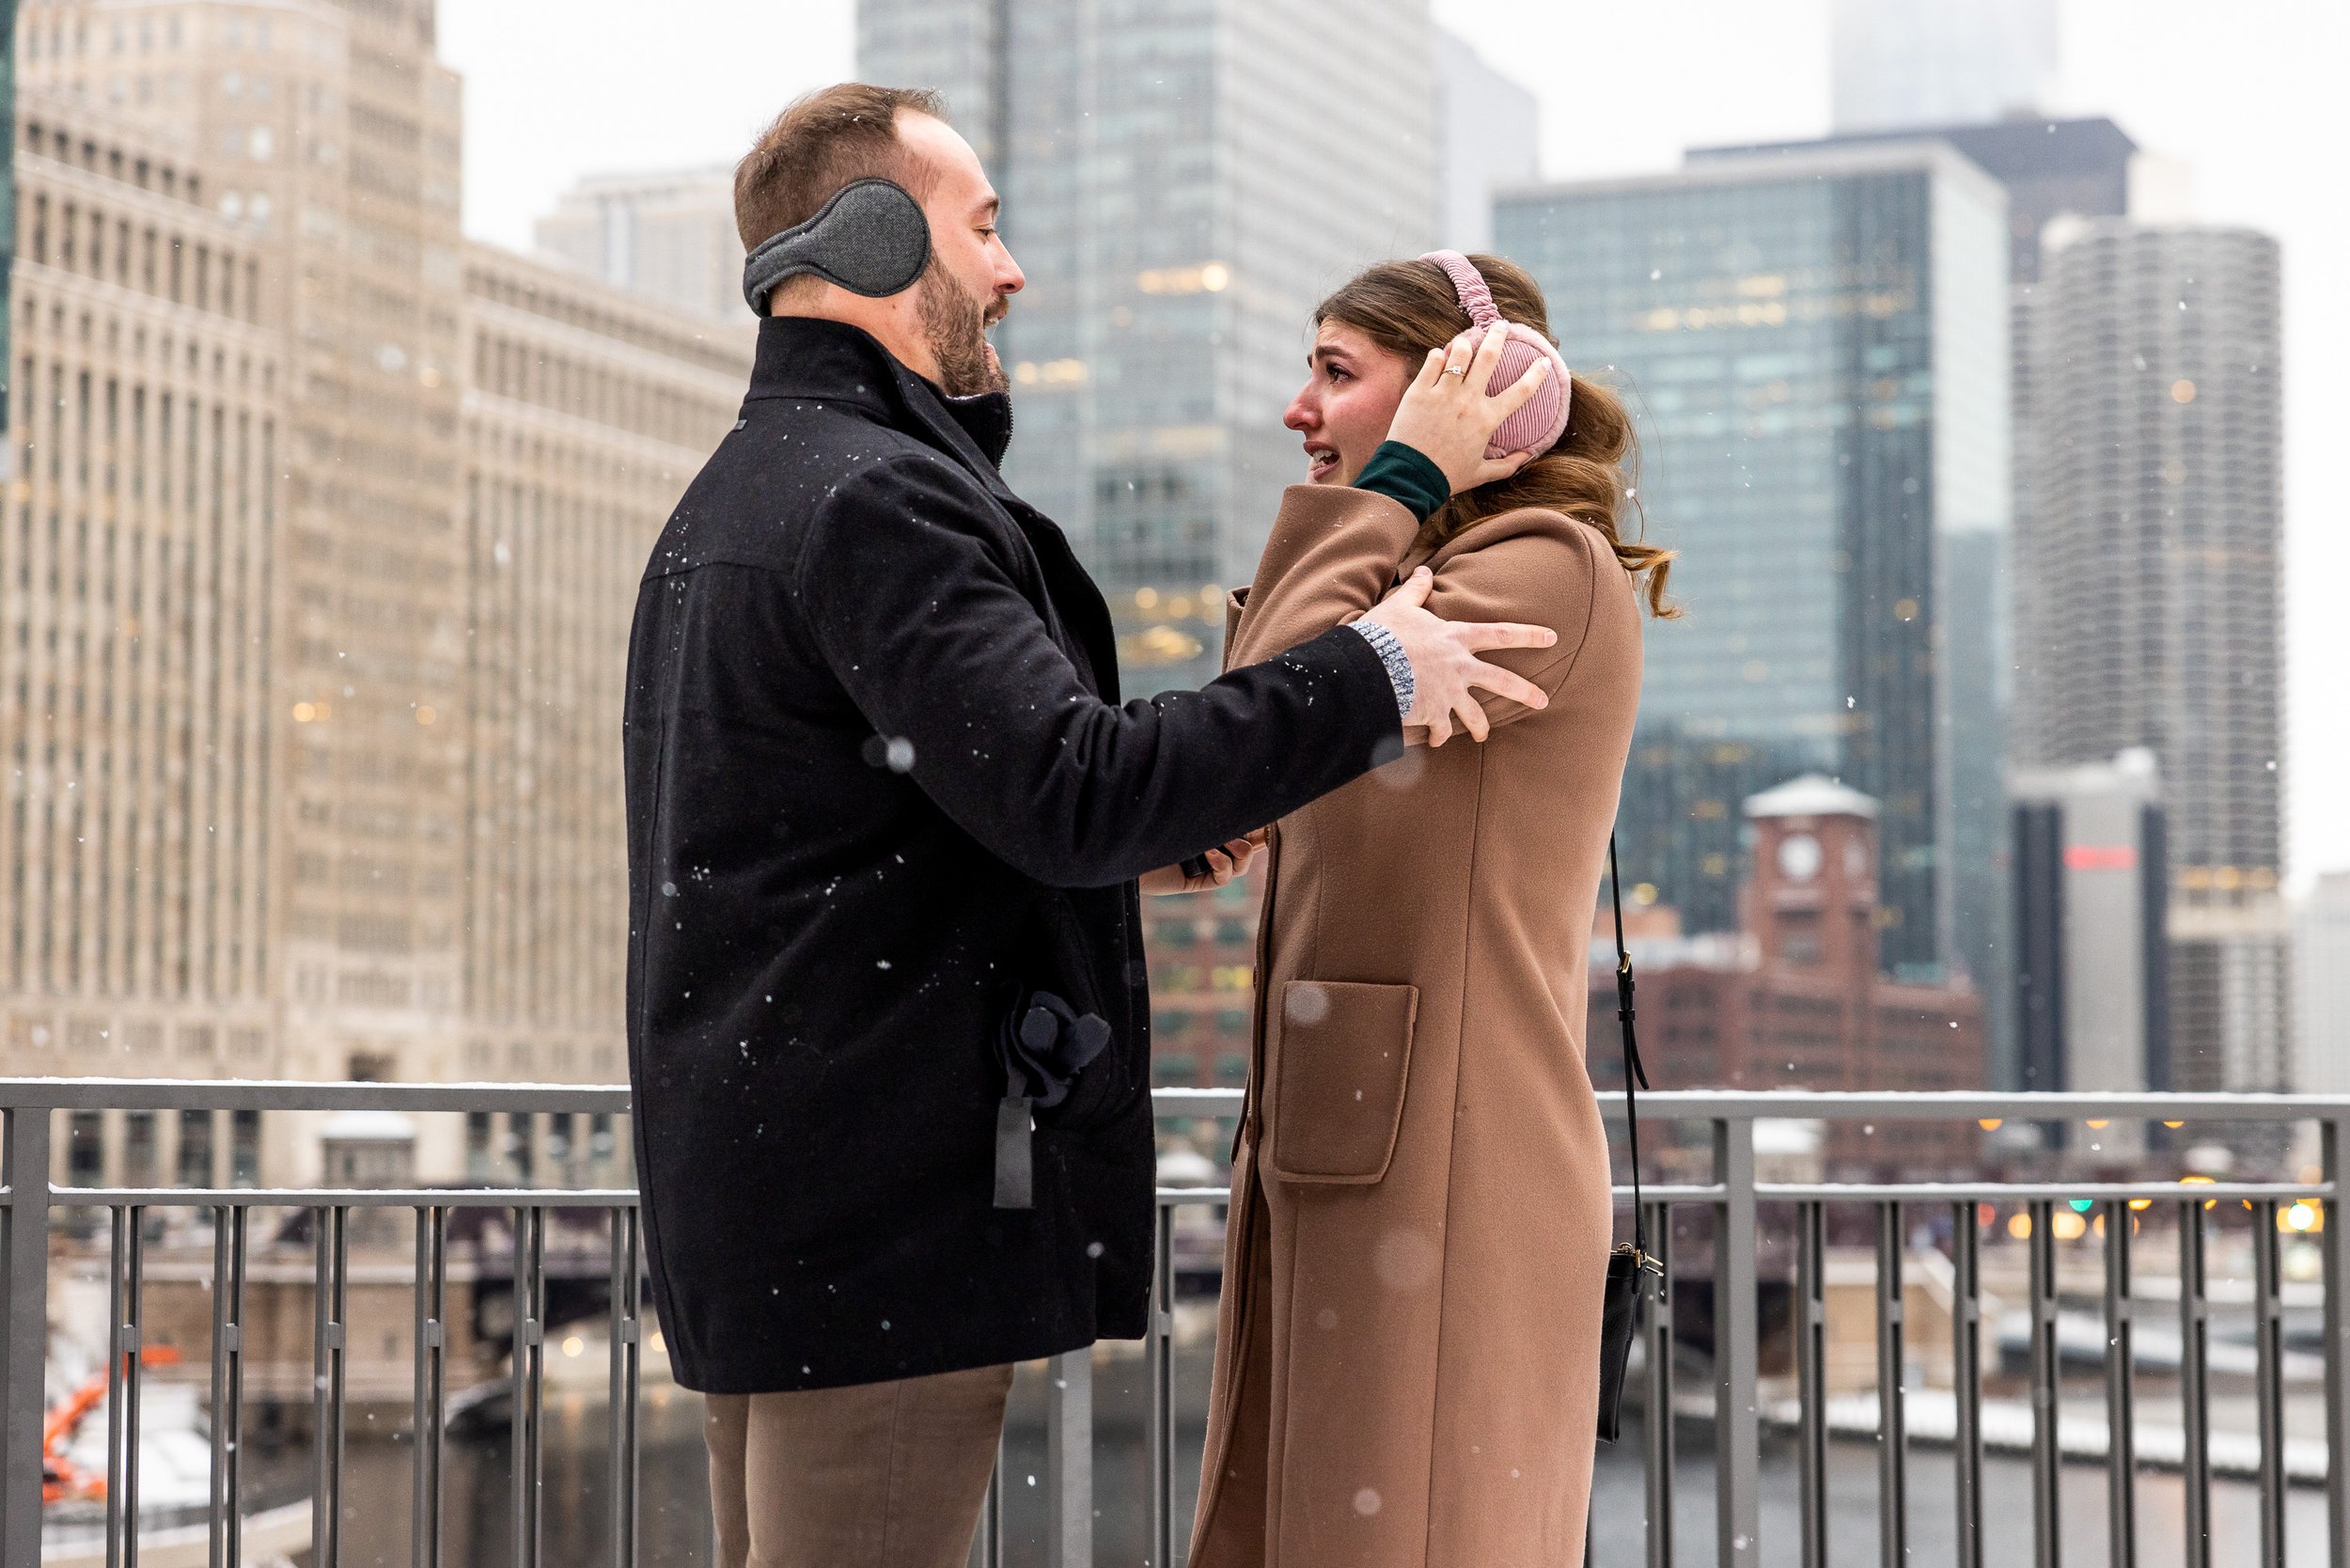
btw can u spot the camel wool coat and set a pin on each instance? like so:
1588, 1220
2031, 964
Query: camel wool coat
1407, 1364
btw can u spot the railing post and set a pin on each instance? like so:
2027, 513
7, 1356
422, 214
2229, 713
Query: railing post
627, 1335
1967, 1379
2121, 1394
1069, 1460
125, 1335
1660, 1394
1892, 1429
1737, 1422
23, 1399
2334, 1246
2268, 1337
991, 1552
329, 1324
1159, 1371
2047, 1459
1811, 1315
432, 1374
529, 1381
228, 1417
2194, 1384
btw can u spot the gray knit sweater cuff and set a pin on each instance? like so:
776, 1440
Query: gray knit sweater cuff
1390, 650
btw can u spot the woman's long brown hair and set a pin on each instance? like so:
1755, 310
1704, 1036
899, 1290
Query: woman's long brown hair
1409, 307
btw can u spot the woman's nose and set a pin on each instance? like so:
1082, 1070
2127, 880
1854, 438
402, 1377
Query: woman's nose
1300, 415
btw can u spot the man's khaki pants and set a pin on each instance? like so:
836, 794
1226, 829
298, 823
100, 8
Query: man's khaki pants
882, 1475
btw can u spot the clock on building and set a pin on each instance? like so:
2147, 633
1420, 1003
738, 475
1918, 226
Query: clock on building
1799, 857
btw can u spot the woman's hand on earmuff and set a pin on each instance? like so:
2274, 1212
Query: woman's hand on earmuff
1446, 417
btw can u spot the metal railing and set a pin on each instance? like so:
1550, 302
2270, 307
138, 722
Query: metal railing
1731, 1199
30, 1197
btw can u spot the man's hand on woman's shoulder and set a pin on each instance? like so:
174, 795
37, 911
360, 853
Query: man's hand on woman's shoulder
1446, 670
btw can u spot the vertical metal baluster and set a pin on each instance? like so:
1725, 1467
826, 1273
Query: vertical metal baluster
118, 1272
2269, 1330
1159, 1367
133, 1367
23, 1405
1892, 1429
327, 1348
2334, 1249
1738, 1421
528, 1379
431, 1401
321, 1328
135, 1337
2194, 1384
223, 1316
227, 1519
1068, 1461
992, 1552
2121, 1394
1966, 1378
1660, 1391
1812, 1380
626, 1329
122, 1388
337, 1385
2047, 1458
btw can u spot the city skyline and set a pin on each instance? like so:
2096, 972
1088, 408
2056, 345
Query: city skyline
537, 120
1181, 189
328, 496
1129, 208
1816, 346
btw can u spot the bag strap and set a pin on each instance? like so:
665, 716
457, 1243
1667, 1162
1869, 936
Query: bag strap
1632, 1072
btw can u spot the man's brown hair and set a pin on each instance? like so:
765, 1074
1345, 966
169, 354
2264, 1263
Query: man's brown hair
825, 140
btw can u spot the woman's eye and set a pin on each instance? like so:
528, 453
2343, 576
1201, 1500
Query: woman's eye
1337, 375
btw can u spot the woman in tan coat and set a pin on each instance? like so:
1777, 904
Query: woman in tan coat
1407, 1370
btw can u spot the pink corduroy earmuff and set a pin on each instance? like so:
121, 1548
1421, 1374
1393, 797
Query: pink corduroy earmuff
1537, 426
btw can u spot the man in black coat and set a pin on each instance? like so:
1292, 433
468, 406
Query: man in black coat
888, 1033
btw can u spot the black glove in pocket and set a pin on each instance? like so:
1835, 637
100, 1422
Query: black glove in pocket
1044, 1046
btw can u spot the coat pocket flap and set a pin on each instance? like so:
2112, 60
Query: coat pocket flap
1337, 1091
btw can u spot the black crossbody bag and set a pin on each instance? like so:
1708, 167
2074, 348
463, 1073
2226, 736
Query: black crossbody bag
1629, 1266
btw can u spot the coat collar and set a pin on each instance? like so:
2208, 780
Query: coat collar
803, 356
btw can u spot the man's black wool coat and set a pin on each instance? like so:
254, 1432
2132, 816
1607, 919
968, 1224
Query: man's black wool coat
879, 781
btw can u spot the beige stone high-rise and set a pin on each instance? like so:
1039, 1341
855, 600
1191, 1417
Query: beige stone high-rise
668, 234
317, 568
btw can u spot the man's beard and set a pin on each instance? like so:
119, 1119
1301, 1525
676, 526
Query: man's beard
954, 324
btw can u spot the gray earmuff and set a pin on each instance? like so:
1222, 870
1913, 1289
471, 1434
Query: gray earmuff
869, 239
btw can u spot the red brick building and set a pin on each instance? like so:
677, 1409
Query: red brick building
1796, 997
1202, 949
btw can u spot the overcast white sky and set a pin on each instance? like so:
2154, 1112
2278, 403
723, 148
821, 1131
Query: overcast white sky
2250, 94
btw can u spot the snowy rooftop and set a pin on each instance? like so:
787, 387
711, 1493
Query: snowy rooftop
1813, 794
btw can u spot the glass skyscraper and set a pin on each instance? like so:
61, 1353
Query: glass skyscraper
1815, 348
2049, 167
1182, 180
